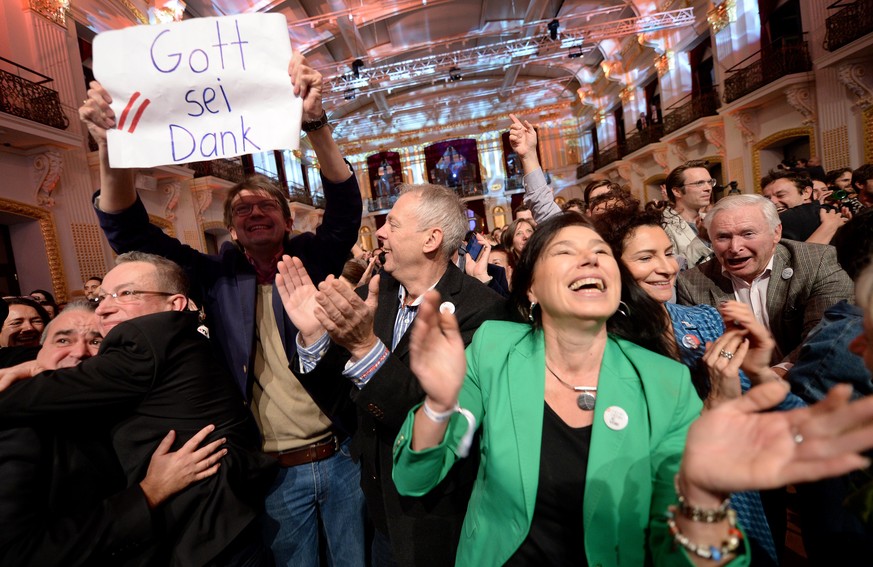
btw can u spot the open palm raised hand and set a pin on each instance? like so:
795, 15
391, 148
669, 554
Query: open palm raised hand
738, 446
298, 297
437, 353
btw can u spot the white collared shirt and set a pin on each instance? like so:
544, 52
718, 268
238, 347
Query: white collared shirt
754, 294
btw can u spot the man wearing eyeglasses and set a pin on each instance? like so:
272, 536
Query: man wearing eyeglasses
250, 332
155, 372
65, 498
689, 189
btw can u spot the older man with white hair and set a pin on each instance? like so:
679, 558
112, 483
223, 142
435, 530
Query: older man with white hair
356, 348
787, 284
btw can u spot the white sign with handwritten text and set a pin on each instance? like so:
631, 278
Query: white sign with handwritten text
198, 90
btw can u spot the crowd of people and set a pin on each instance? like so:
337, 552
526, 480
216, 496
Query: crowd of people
602, 383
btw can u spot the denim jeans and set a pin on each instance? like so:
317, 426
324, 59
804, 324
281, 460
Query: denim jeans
328, 490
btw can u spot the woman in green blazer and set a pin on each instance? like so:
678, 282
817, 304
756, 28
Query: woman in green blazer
528, 385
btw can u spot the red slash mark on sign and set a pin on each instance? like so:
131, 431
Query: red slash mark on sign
137, 115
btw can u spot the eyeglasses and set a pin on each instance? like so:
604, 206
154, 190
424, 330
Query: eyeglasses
245, 209
700, 184
129, 295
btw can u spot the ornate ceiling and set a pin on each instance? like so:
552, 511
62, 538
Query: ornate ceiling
401, 66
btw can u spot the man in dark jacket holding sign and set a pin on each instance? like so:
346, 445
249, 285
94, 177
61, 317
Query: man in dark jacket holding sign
250, 332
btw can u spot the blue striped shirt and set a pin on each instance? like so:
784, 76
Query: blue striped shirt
361, 371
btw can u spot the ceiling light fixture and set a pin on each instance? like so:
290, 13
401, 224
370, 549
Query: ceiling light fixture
357, 65
553, 29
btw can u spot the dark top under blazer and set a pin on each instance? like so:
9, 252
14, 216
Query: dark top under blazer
423, 531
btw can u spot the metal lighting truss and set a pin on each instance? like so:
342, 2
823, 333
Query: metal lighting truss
500, 55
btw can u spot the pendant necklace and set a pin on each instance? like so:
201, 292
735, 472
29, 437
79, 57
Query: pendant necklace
587, 394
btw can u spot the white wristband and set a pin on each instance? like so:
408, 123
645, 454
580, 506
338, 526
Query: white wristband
438, 416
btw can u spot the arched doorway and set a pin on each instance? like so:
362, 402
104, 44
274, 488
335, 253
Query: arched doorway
772, 150
25, 225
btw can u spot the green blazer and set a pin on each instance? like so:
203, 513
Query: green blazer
629, 483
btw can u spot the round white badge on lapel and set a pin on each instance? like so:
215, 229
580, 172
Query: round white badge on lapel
787, 273
691, 341
447, 307
615, 418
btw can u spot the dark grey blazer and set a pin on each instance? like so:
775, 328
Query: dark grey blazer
806, 279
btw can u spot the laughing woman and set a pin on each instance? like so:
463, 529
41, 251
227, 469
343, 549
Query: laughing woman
582, 432
683, 332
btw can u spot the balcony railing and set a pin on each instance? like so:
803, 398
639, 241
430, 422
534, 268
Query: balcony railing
299, 194
381, 203
514, 183
28, 99
470, 189
854, 20
606, 156
773, 63
684, 112
584, 169
641, 138
227, 169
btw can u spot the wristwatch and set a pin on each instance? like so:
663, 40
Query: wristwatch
313, 125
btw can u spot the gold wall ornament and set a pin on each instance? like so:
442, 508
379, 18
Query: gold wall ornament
54, 10
163, 224
140, 17
50, 236
868, 135
764, 144
722, 15
626, 94
662, 64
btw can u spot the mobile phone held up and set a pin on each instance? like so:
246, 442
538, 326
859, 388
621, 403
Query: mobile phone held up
474, 249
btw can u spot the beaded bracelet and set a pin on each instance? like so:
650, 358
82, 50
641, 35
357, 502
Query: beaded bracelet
438, 416
712, 552
695, 514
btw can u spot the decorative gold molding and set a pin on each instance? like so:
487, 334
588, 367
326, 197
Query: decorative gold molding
626, 94
808, 131
722, 15
142, 18
214, 225
662, 64
868, 135
357, 146
54, 10
163, 224
49, 235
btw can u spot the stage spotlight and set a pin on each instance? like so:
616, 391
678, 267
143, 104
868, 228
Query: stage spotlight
553, 29
357, 65
455, 74
349, 94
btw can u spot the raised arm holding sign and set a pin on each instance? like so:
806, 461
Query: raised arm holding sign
243, 307
196, 90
